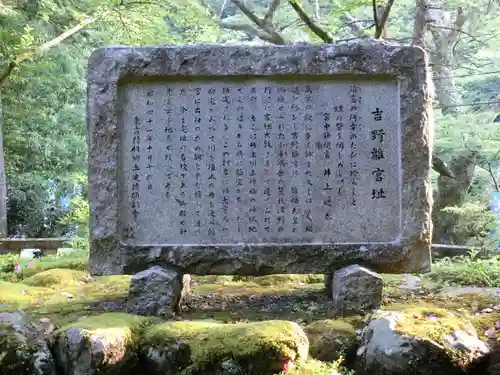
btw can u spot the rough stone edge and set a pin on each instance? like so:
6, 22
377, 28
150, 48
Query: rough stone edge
108, 66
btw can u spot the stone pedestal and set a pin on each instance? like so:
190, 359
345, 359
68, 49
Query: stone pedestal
157, 292
356, 290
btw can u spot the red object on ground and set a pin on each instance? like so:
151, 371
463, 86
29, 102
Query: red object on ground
287, 365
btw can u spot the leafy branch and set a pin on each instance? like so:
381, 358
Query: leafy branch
322, 34
7, 72
265, 24
271, 35
36, 51
381, 25
39, 50
489, 166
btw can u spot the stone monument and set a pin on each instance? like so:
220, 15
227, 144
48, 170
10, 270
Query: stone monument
239, 160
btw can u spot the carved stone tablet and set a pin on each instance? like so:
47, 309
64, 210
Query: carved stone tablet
258, 160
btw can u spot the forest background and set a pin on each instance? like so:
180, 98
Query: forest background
45, 44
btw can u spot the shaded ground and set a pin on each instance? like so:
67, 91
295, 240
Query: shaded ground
64, 292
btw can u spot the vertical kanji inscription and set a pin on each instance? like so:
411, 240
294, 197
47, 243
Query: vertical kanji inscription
268, 187
227, 158
259, 161
282, 161
295, 109
377, 136
308, 155
182, 199
212, 166
354, 128
197, 161
239, 159
254, 222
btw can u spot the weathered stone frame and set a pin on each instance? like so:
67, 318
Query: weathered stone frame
109, 66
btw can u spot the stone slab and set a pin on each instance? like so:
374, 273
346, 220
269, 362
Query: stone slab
259, 160
356, 290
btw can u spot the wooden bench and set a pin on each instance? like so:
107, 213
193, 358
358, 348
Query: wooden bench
440, 251
46, 245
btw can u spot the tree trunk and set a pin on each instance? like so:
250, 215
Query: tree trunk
454, 179
445, 33
442, 60
3, 186
451, 192
446, 90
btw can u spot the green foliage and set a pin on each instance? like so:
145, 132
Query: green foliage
478, 222
44, 99
77, 261
467, 270
30, 210
79, 215
470, 130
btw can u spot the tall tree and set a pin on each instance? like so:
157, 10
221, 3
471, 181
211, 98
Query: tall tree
44, 46
436, 30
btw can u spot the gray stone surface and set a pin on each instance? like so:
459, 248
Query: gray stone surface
260, 161
164, 191
386, 349
411, 283
24, 347
356, 290
81, 351
157, 292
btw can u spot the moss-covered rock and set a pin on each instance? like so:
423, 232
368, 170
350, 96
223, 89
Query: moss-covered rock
57, 277
103, 344
331, 339
419, 341
23, 350
314, 367
208, 347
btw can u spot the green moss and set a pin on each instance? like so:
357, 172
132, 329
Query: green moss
7, 308
20, 295
248, 288
57, 277
13, 353
69, 302
77, 261
17, 345
123, 325
210, 341
314, 367
277, 280
109, 321
212, 279
330, 339
432, 324
64, 310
